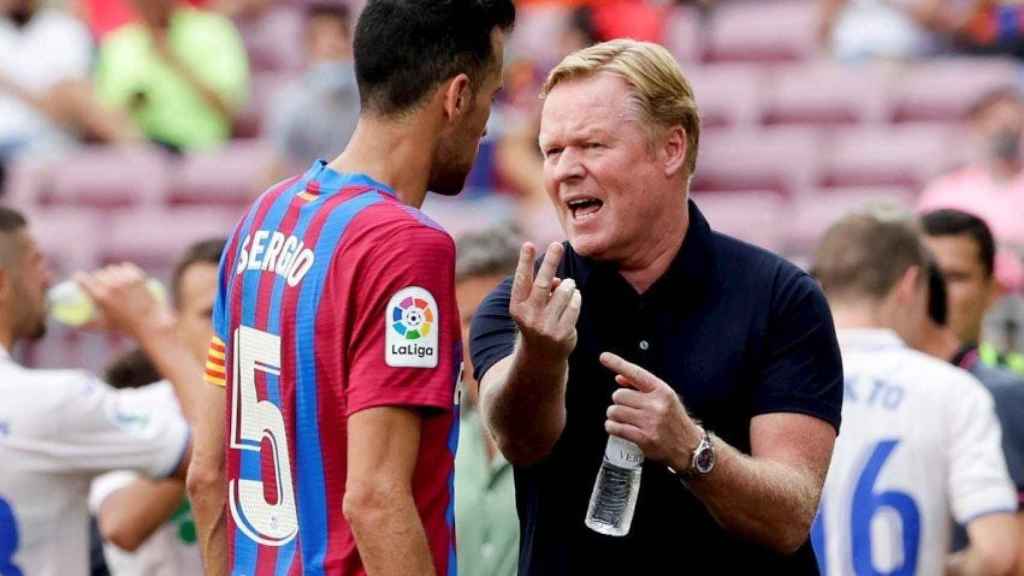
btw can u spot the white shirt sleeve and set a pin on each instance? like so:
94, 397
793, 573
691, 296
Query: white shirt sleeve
978, 478
99, 429
107, 484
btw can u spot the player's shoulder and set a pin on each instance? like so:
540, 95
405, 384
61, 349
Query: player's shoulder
47, 390
939, 377
389, 225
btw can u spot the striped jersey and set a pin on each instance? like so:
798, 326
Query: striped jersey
334, 297
920, 448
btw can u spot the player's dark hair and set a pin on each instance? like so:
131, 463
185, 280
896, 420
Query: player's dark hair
405, 48
133, 369
938, 307
11, 220
202, 252
949, 222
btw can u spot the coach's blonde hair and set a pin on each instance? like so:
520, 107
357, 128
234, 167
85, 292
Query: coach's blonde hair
660, 91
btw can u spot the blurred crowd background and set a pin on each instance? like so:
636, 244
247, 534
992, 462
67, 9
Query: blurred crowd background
131, 128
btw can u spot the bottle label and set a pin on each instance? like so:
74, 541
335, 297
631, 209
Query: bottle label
623, 453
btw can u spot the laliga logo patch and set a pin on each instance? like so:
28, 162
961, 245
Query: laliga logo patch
412, 326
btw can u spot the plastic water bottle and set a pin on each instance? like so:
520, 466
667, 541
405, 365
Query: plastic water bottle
616, 489
70, 305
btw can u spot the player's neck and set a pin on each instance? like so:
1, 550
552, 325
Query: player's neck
940, 342
390, 153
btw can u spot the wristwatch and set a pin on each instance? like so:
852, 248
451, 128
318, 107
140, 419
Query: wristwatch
703, 460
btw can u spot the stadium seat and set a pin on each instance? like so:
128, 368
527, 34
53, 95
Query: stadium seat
823, 93
274, 39
749, 31
812, 213
683, 35
231, 176
757, 217
727, 94
108, 178
906, 156
781, 160
67, 237
943, 90
149, 240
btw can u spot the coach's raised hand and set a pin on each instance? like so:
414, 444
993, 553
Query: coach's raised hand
531, 381
545, 308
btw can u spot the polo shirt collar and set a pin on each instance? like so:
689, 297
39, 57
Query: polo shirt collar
690, 270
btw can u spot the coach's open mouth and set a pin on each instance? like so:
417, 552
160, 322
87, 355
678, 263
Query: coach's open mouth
584, 208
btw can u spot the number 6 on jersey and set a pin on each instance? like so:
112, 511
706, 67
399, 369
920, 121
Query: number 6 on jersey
268, 521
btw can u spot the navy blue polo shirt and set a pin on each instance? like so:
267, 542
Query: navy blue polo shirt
737, 331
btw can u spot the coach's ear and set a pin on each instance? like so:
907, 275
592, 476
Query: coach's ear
458, 97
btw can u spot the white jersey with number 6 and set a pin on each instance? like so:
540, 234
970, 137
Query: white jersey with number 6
58, 430
919, 447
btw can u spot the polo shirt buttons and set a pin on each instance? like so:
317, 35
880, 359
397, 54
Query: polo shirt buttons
644, 345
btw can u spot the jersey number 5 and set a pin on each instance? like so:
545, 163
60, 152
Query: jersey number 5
270, 521
8, 541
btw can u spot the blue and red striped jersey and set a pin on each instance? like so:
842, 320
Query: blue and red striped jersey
334, 297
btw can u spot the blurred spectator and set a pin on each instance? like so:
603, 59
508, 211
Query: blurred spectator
986, 26
105, 16
181, 72
993, 187
964, 250
314, 117
486, 524
1007, 389
860, 29
148, 524
45, 96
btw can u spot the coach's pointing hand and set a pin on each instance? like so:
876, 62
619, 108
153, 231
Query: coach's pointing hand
545, 308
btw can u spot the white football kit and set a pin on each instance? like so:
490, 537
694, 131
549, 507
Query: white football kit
58, 430
919, 447
171, 550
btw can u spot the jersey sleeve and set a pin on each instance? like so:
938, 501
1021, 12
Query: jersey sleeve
979, 482
101, 429
492, 334
215, 372
105, 485
801, 370
405, 324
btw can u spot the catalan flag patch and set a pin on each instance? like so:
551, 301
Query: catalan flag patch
215, 373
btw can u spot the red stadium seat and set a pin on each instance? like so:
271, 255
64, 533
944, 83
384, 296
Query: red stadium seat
781, 160
274, 39
823, 93
155, 239
813, 213
683, 35
905, 156
727, 94
756, 217
943, 90
782, 31
108, 178
67, 237
232, 176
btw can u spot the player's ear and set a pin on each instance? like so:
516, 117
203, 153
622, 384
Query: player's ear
457, 97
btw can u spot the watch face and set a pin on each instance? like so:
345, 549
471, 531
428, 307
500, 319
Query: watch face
705, 460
